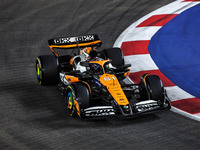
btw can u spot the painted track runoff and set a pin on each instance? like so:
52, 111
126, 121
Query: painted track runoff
141, 44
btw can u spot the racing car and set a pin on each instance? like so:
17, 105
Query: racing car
96, 83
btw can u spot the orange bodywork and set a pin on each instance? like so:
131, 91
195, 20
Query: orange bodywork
113, 86
109, 81
51, 48
71, 61
126, 74
100, 62
77, 107
71, 79
87, 50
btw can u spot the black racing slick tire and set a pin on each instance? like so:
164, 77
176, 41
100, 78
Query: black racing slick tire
155, 88
152, 88
47, 69
116, 55
77, 99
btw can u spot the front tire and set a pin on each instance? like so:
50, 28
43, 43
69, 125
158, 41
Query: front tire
152, 88
77, 99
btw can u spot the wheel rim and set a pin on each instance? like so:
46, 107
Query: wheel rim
70, 101
39, 72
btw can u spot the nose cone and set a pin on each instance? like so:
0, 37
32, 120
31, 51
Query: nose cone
114, 88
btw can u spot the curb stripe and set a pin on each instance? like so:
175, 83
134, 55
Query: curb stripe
135, 47
141, 34
191, 105
175, 93
157, 20
140, 63
135, 77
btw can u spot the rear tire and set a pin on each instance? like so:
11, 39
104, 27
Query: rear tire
47, 69
116, 55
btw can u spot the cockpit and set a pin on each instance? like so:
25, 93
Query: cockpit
100, 67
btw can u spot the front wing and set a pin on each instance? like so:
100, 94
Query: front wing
138, 108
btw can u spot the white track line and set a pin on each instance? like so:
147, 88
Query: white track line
175, 93
141, 63
140, 34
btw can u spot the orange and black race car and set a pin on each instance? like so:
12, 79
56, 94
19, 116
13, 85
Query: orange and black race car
95, 83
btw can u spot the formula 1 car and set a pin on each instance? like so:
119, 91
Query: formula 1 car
95, 83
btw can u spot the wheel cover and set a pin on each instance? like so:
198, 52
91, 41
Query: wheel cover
39, 72
70, 101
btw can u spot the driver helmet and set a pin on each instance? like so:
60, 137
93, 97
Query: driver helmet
85, 53
87, 50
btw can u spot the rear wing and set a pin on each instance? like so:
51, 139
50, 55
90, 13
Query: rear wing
76, 42
91, 40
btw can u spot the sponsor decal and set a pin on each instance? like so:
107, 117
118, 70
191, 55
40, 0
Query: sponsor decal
116, 90
125, 107
146, 107
86, 38
100, 112
108, 78
74, 39
118, 93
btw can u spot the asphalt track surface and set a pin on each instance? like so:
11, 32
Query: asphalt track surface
34, 117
